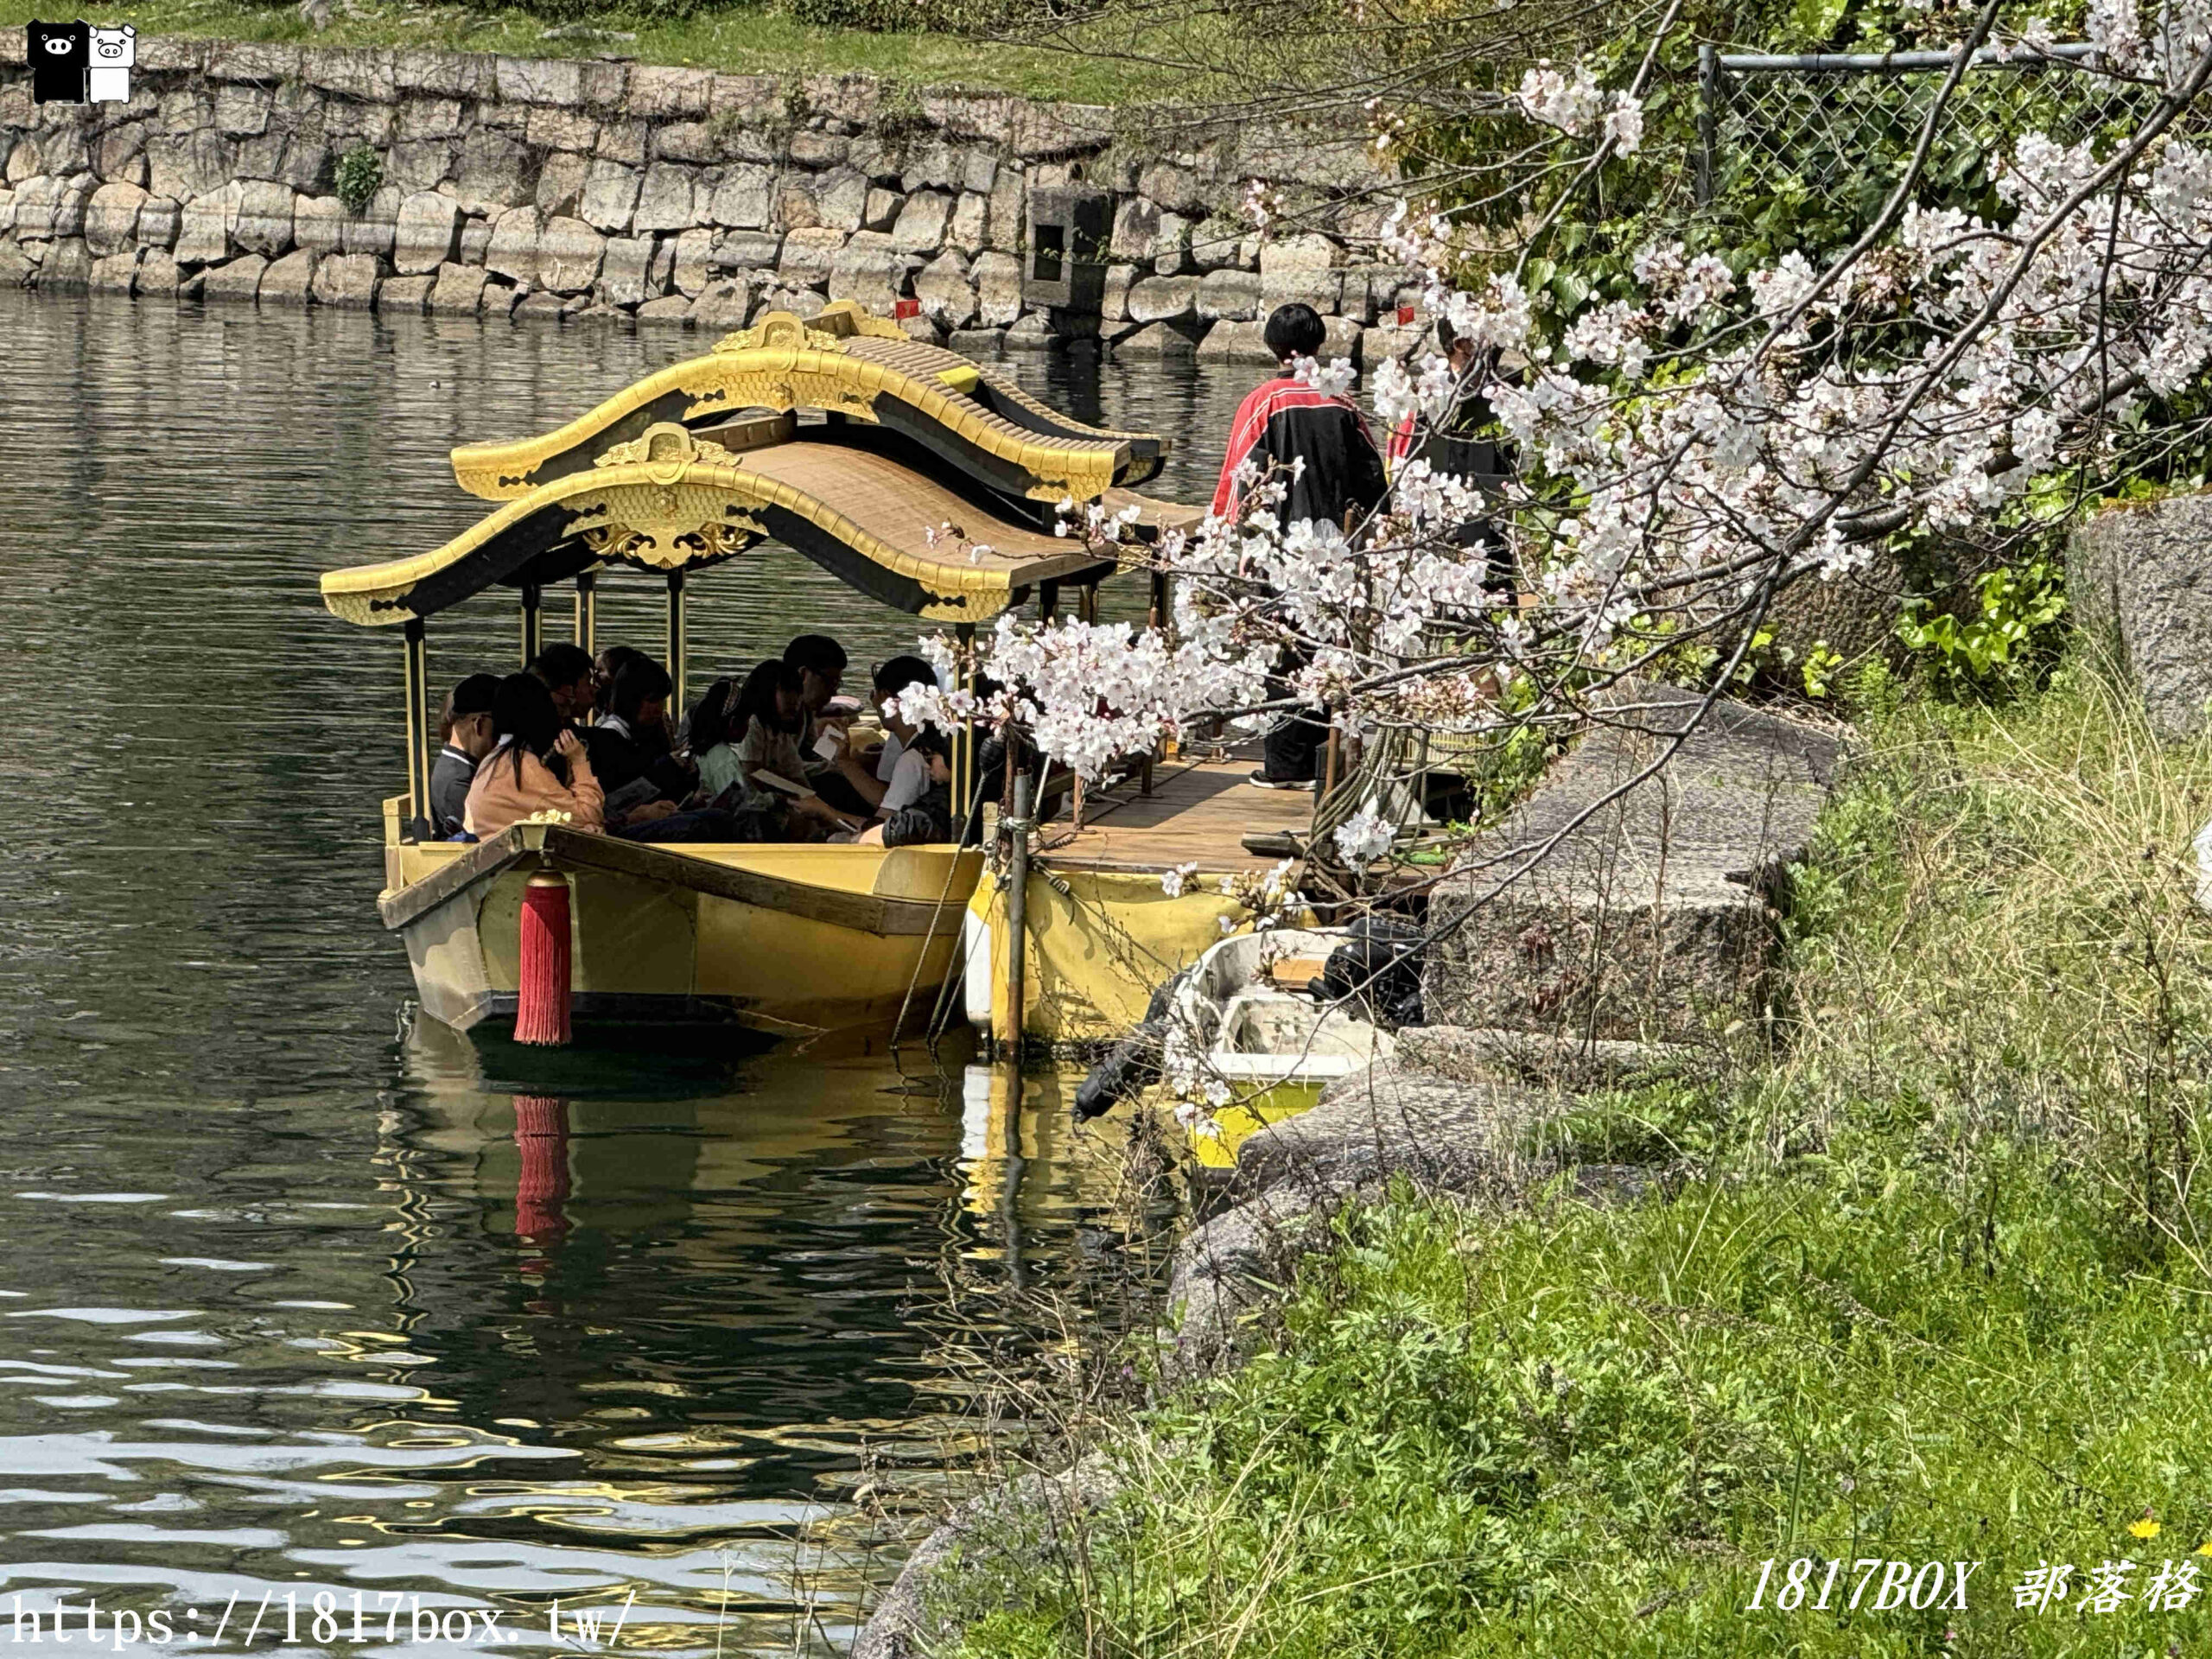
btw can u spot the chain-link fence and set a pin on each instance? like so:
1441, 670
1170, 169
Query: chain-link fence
1839, 128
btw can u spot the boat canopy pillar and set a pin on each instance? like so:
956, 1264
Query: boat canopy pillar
1048, 599
533, 622
1086, 602
587, 628
675, 642
418, 733
965, 806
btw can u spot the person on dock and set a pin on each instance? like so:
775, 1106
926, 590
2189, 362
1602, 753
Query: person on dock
1315, 445
1464, 445
467, 732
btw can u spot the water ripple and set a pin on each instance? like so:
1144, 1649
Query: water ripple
741, 1304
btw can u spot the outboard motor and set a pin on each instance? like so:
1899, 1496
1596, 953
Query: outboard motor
1378, 964
1132, 1065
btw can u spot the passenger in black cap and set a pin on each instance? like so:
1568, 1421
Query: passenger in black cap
465, 727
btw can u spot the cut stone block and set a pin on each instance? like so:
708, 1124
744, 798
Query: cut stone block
512, 252
460, 290
426, 234
610, 198
1235, 342
1301, 270
289, 281
724, 304
1229, 295
2140, 588
922, 223
118, 273
569, 254
1162, 299
264, 223
694, 251
405, 294
625, 270
319, 223
239, 279
112, 219
347, 280
1158, 339
1651, 919
671, 310
998, 288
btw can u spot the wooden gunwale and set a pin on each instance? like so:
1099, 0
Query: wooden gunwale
564, 848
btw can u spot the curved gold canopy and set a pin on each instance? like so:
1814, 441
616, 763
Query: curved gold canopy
664, 502
850, 365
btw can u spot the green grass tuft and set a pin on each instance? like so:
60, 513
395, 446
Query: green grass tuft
1933, 1288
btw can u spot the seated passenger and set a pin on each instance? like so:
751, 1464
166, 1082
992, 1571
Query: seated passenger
608, 663
821, 664
873, 785
705, 733
630, 741
466, 730
567, 671
767, 720
926, 820
539, 766
750, 732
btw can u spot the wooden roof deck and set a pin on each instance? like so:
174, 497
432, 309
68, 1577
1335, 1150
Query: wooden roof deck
1198, 812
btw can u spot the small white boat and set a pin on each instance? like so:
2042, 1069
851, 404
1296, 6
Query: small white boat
1242, 1018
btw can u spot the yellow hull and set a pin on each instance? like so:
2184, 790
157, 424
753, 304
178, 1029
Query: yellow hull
1096, 951
791, 939
1239, 1122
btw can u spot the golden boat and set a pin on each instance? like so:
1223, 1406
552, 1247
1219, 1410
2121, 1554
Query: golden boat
838, 436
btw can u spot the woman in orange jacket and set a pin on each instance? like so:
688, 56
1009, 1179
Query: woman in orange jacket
539, 767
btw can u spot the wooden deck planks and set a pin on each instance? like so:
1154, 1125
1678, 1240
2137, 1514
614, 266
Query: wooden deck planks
1196, 814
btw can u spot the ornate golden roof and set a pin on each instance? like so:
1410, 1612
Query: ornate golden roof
664, 501
861, 368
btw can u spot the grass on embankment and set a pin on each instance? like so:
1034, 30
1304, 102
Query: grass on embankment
1934, 1290
737, 39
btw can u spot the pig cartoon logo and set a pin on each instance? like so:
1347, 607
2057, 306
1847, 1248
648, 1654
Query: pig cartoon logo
114, 51
60, 55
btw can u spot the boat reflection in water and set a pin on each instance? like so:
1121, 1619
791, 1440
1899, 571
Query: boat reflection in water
725, 1292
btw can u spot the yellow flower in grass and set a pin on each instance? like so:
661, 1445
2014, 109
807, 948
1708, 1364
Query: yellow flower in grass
2205, 1548
2146, 1527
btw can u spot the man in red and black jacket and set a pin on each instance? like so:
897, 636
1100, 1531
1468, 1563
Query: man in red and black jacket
1285, 421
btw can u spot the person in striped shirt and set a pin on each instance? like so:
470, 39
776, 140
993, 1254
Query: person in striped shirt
1283, 423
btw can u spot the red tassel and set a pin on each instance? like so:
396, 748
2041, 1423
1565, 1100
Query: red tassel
542, 979
542, 1133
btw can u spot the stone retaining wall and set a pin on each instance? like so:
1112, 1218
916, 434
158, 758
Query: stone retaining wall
592, 188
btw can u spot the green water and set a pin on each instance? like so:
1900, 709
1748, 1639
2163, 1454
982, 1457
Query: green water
270, 1322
